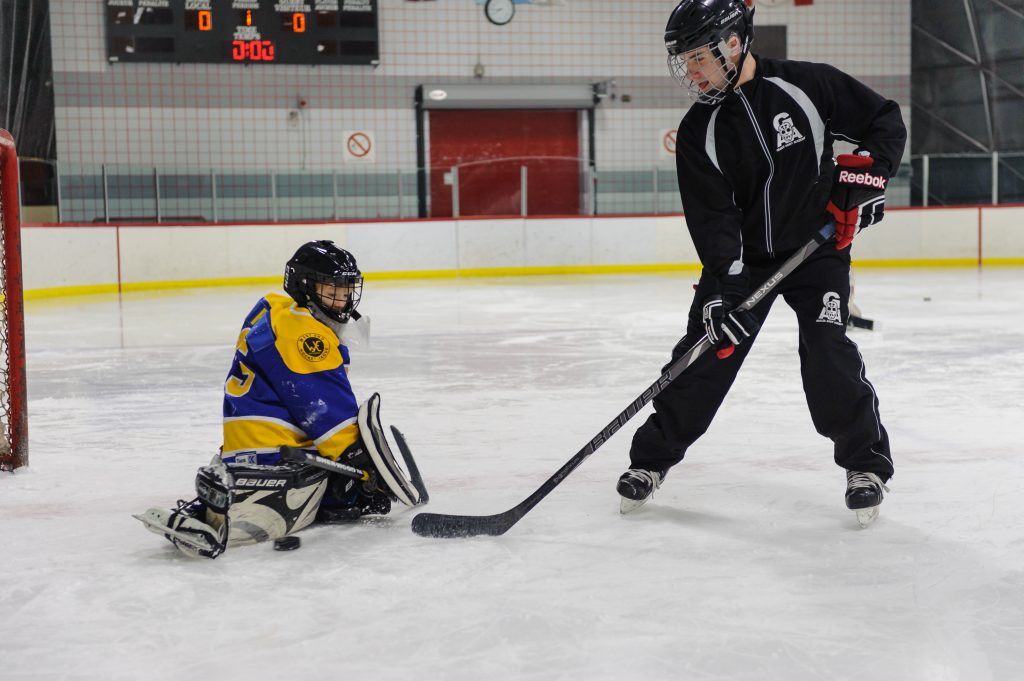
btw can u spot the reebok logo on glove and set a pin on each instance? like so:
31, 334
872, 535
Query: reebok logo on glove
858, 195
866, 179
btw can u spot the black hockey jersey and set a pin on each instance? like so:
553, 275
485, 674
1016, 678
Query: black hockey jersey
755, 171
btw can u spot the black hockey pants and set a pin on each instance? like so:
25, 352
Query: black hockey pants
843, 404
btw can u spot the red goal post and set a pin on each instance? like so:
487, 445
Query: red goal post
13, 408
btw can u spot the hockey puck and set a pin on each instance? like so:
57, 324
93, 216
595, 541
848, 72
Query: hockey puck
287, 543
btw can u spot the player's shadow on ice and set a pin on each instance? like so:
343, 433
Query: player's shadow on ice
681, 516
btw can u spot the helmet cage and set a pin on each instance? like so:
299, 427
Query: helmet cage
325, 279
718, 69
337, 296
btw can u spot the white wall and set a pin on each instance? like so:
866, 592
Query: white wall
88, 259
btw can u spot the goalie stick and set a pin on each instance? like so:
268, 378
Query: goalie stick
305, 456
447, 526
414, 472
308, 457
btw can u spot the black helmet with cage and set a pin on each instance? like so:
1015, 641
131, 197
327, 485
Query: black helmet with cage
325, 279
698, 24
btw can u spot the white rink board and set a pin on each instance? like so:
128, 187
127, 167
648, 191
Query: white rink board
400, 246
58, 257
1003, 233
933, 234
89, 256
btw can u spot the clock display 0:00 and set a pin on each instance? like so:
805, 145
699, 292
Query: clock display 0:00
252, 50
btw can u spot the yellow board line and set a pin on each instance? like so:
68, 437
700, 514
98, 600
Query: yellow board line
93, 289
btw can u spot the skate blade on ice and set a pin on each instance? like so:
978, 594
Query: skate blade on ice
867, 516
156, 520
630, 505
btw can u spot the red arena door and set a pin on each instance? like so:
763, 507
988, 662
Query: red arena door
489, 148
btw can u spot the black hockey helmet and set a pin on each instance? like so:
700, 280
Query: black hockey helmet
334, 270
708, 23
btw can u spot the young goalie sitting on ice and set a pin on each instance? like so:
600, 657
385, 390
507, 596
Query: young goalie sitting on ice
289, 412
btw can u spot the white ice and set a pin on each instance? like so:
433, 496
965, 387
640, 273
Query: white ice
745, 566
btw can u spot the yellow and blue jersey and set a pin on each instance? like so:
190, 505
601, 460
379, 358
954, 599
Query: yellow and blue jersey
288, 385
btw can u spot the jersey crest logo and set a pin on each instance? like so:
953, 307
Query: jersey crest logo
313, 347
830, 312
788, 134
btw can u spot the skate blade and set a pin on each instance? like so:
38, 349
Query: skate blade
155, 521
867, 516
629, 505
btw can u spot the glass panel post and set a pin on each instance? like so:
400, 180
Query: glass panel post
455, 191
995, 178
924, 179
106, 194
522, 191
213, 193
56, 175
156, 192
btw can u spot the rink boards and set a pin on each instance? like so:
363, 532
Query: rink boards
77, 259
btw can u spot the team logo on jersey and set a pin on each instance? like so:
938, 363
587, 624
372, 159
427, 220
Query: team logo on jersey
830, 312
313, 347
788, 134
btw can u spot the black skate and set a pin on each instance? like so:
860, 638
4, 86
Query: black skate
636, 486
864, 494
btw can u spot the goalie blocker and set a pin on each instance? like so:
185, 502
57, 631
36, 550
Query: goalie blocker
239, 504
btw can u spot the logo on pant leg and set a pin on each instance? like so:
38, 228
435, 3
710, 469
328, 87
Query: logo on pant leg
830, 313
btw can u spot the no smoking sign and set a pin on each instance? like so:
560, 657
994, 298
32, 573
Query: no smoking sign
360, 146
667, 143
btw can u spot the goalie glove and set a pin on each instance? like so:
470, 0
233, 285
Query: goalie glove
858, 195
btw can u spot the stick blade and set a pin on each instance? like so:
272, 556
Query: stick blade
414, 472
861, 323
441, 526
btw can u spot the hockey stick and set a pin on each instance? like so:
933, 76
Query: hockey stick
442, 525
861, 322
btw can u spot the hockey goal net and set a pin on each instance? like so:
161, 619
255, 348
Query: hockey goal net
13, 414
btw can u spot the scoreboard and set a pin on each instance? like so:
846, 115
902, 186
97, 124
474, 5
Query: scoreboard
243, 31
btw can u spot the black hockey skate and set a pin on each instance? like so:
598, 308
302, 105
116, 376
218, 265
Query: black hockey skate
864, 494
636, 486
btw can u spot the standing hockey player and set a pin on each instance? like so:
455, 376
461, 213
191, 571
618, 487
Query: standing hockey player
757, 180
288, 391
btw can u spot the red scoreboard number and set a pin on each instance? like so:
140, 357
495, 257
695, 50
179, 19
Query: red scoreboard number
252, 50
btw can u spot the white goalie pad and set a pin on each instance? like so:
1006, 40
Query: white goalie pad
270, 502
390, 471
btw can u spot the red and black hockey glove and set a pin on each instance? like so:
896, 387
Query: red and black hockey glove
725, 324
858, 195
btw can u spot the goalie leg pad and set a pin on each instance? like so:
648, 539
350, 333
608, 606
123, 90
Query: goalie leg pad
393, 478
269, 502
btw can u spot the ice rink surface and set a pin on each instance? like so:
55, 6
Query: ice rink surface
745, 566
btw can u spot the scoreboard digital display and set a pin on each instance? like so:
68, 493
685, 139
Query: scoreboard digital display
243, 31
